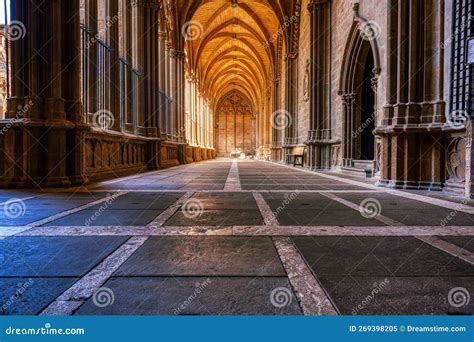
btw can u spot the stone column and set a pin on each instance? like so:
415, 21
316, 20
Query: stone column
162, 82
290, 130
412, 128
139, 61
112, 38
72, 95
44, 105
92, 47
319, 85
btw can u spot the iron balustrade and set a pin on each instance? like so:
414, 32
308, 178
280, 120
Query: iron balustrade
98, 59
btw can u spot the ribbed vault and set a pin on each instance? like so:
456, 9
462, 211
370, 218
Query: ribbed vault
230, 48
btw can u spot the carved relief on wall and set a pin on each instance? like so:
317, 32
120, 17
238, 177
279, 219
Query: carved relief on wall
378, 155
108, 153
306, 82
456, 160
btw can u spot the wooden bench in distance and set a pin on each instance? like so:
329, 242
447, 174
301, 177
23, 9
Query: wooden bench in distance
297, 153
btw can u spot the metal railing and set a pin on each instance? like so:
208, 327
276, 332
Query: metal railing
98, 59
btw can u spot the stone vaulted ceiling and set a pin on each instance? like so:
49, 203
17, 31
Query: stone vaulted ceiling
229, 45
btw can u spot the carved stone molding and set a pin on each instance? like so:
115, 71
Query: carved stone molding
306, 85
456, 160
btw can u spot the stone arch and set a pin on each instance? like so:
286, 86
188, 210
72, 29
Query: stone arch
358, 91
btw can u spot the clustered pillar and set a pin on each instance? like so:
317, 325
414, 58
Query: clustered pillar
319, 136
39, 137
415, 104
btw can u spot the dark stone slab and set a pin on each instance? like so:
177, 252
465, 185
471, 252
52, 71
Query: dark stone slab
344, 217
378, 256
142, 201
29, 296
193, 296
90, 196
397, 295
304, 201
29, 216
263, 187
204, 256
466, 242
226, 201
218, 218
108, 217
203, 187
46, 205
54, 256
430, 217
391, 202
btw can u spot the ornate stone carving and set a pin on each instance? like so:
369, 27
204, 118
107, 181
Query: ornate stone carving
306, 87
336, 156
456, 160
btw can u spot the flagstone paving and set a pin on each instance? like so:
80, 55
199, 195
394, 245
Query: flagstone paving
235, 237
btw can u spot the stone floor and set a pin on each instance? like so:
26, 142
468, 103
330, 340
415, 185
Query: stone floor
230, 237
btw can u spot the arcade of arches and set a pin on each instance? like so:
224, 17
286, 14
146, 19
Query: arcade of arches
113, 88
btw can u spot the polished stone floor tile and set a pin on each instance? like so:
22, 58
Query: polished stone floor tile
194, 296
378, 256
54, 256
216, 218
397, 295
323, 217
204, 256
108, 217
465, 242
29, 296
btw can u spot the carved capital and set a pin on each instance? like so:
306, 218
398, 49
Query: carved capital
138, 3
176, 54
348, 99
316, 5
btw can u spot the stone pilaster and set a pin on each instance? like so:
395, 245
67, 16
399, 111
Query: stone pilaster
319, 136
412, 131
40, 144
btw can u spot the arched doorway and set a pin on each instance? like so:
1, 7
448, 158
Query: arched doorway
358, 90
235, 125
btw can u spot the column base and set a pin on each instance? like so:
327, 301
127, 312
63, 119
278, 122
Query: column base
410, 185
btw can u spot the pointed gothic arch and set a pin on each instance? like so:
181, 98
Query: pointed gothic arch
358, 90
